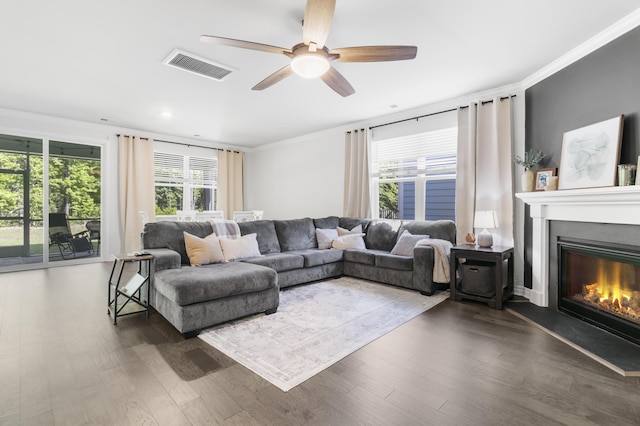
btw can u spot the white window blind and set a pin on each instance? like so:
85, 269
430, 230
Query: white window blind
430, 153
203, 172
176, 169
168, 168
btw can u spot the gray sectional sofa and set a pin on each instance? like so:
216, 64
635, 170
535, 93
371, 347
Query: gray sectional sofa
194, 298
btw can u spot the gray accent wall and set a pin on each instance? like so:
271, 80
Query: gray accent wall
602, 85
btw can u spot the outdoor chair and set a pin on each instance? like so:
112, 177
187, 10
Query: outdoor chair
70, 245
93, 227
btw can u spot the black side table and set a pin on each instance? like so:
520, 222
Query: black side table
133, 300
496, 255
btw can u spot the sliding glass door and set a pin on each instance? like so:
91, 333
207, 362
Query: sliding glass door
74, 200
21, 171
67, 226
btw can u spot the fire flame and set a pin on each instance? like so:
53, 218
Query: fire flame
610, 281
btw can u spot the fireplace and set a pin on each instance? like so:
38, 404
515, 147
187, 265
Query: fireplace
588, 226
600, 283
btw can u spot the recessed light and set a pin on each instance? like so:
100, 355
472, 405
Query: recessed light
104, 119
393, 106
166, 114
196, 135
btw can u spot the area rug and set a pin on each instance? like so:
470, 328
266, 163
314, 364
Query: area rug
316, 326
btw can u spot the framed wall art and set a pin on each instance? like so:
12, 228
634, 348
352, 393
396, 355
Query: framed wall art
590, 155
542, 178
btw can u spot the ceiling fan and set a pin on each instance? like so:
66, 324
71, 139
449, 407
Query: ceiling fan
311, 58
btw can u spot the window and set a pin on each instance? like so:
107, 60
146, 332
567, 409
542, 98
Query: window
185, 182
413, 175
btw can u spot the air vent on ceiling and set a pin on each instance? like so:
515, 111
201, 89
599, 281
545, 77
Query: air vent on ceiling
197, 65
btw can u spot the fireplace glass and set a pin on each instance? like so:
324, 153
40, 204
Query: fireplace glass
601, 284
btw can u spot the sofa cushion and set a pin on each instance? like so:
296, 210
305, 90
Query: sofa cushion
325, 237
296, 234
329, 222
406, 242
240, 248
267, 237
170, 235
278, 261
437, 229
186, 286
352, 222
367, 257
315, 257
391, 261
382, 234
203, 251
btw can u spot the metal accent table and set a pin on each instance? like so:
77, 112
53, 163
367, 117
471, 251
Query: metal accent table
496, 255
130, 293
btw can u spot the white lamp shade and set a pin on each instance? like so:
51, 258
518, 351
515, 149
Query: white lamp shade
485, 219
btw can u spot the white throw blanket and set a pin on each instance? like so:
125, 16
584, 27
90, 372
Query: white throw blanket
441, 250
224, 228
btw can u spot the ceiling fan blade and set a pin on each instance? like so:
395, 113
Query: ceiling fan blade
317, 21
244, 44
274, 78
374, 53
337, 82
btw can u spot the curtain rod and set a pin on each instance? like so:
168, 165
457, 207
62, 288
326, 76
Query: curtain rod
439, 112
490, 101
185, 144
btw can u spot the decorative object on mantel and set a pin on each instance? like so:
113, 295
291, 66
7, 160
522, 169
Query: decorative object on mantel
528, 162
626, 174
638, 174
542, 178
470, 238
485, 219
590, 155
552, 183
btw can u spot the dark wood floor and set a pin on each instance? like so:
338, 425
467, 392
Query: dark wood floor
63, 362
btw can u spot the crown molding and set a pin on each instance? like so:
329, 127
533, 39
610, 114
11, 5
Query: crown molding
609, 34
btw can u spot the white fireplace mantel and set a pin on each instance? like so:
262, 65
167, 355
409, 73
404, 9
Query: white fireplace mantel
615, 204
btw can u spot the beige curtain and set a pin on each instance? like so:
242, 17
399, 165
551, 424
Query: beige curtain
357, 198
484, 179
136, 187
230, 182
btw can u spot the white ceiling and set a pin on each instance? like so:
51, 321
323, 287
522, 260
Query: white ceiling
89, 61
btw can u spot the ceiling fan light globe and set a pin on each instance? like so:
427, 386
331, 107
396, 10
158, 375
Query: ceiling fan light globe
310, 65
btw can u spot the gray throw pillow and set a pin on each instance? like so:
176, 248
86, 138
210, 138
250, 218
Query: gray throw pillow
325, 237
405, 244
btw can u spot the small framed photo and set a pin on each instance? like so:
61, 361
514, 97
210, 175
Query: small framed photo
542, 178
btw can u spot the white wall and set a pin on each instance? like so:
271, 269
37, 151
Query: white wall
297, 178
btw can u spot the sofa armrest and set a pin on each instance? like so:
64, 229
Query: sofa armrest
164, 259
423, 258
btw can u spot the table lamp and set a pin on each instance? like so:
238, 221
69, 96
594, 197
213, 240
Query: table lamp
485, 219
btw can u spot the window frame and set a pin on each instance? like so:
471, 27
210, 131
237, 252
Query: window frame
192, 174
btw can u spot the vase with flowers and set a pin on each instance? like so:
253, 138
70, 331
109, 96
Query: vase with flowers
528, 161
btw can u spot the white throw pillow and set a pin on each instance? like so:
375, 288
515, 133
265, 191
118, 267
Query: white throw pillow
355, 230
325, 237
349, 241
202, 251
406, 243
241, 248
